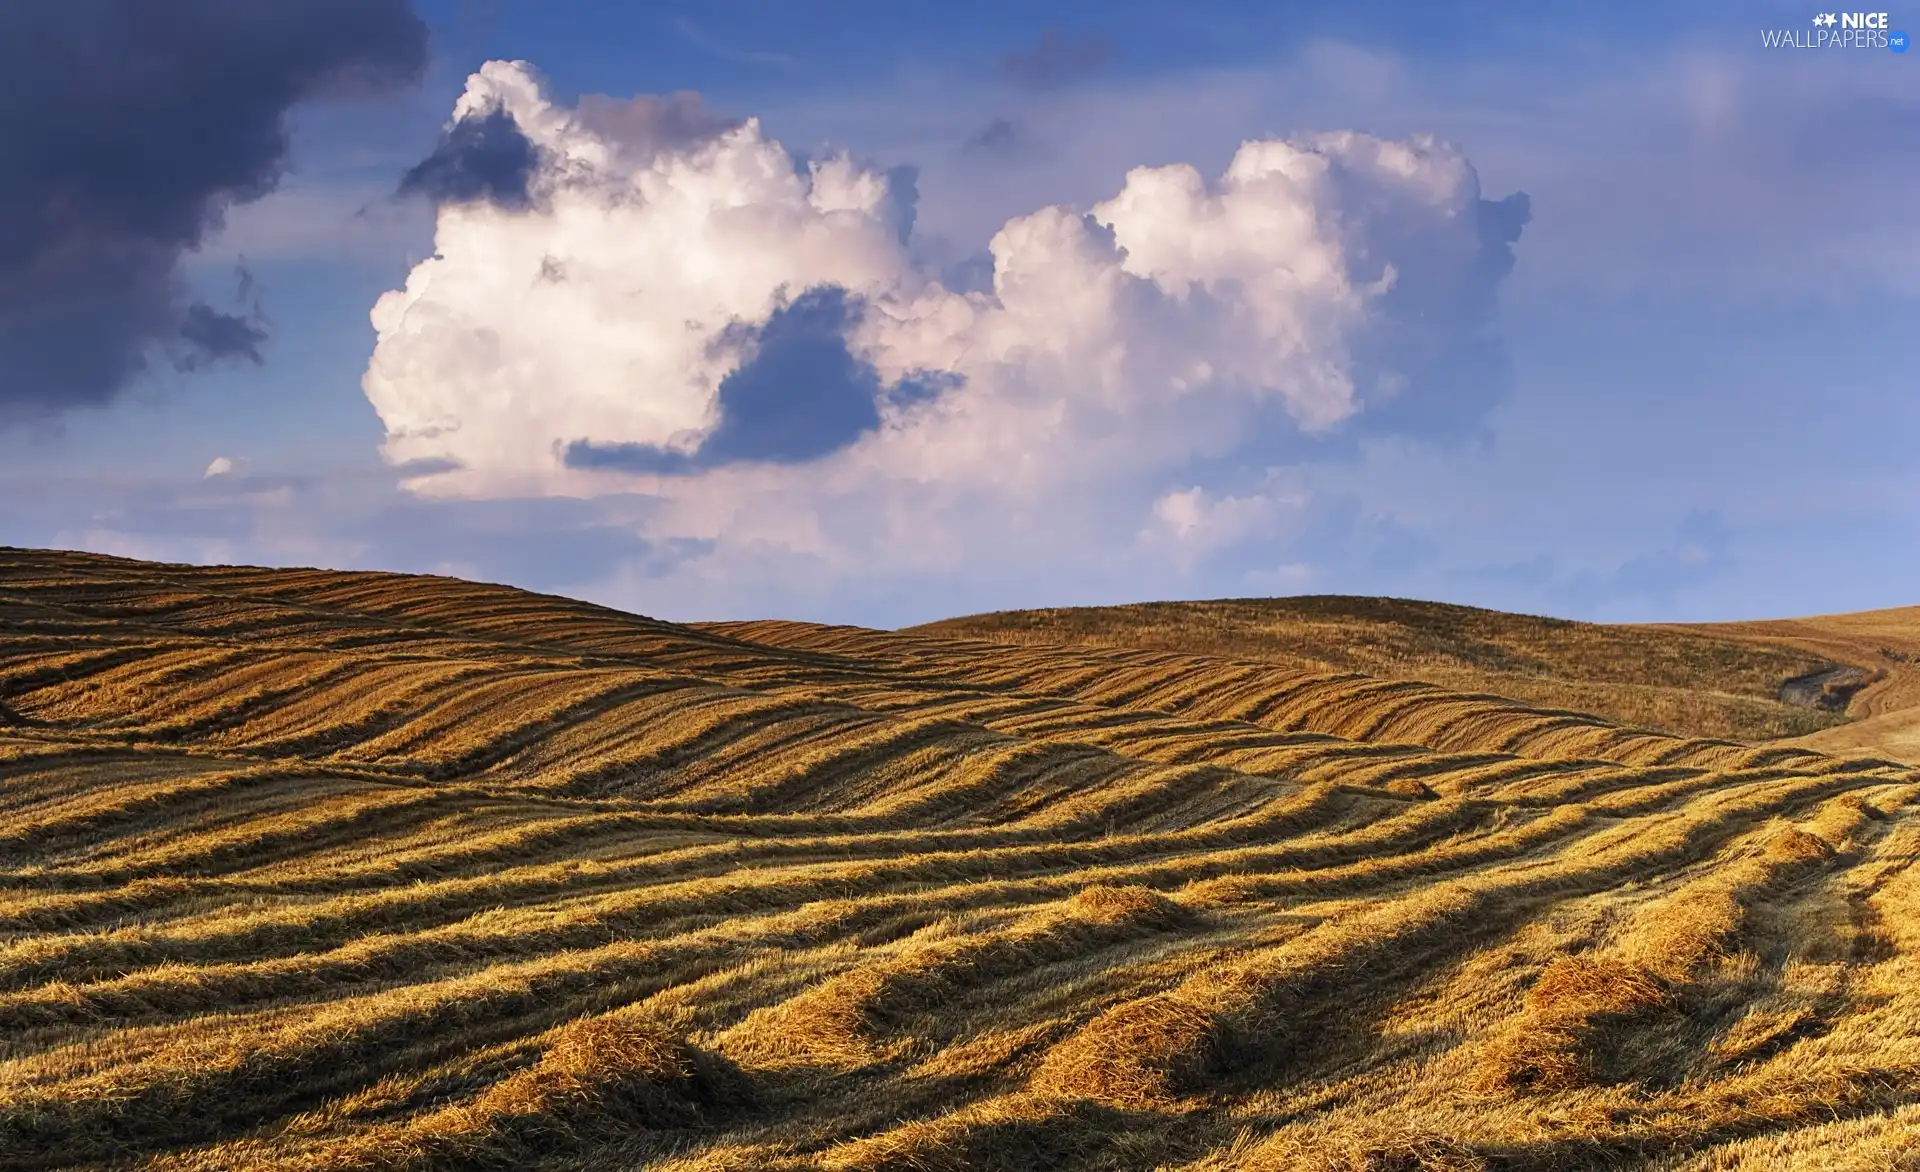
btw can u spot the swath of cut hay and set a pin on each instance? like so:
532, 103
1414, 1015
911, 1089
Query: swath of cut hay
598, 1080
303, 869
1586, 1009
844, 1019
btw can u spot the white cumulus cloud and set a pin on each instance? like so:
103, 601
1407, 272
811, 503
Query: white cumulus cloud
1190, 523
684, 309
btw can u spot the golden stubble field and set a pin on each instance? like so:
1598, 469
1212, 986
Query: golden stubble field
303, 869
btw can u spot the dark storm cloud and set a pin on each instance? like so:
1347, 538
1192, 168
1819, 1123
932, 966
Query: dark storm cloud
479, 157
1056, 60
800, 394
210, 336
591, 456
426, 467
127, 127
486, 156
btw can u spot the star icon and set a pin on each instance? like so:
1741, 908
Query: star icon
1826, 20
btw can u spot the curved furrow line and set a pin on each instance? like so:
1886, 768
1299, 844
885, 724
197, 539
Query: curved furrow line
774, 769
207, 705
1307, 757
649, 746
845, 1018
1327, 863
110, 690
38, 777
269, 823
987, 778
977, 786
429, 902
1292, 693
366, 702
113, 805
173, 1084
1147, 1052
461, 732
52, 665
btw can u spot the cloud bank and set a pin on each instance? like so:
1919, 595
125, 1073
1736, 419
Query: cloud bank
126, 129
647, 299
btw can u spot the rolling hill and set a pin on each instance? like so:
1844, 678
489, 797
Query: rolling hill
305, 869
1747, 681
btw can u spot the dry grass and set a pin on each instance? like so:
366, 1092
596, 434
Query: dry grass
1884, 645
599, 1081
317, 870
1674, 679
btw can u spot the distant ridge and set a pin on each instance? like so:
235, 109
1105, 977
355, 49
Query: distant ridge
1743, 681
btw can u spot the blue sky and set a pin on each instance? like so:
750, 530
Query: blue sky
1692, 397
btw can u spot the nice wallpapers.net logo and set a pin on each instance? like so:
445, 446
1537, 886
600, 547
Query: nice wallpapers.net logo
1839, 30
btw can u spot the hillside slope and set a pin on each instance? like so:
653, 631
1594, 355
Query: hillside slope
1711, 681
318, 870
1884, 644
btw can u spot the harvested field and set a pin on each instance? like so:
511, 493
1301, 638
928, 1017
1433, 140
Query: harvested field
1727, 680
305, 869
